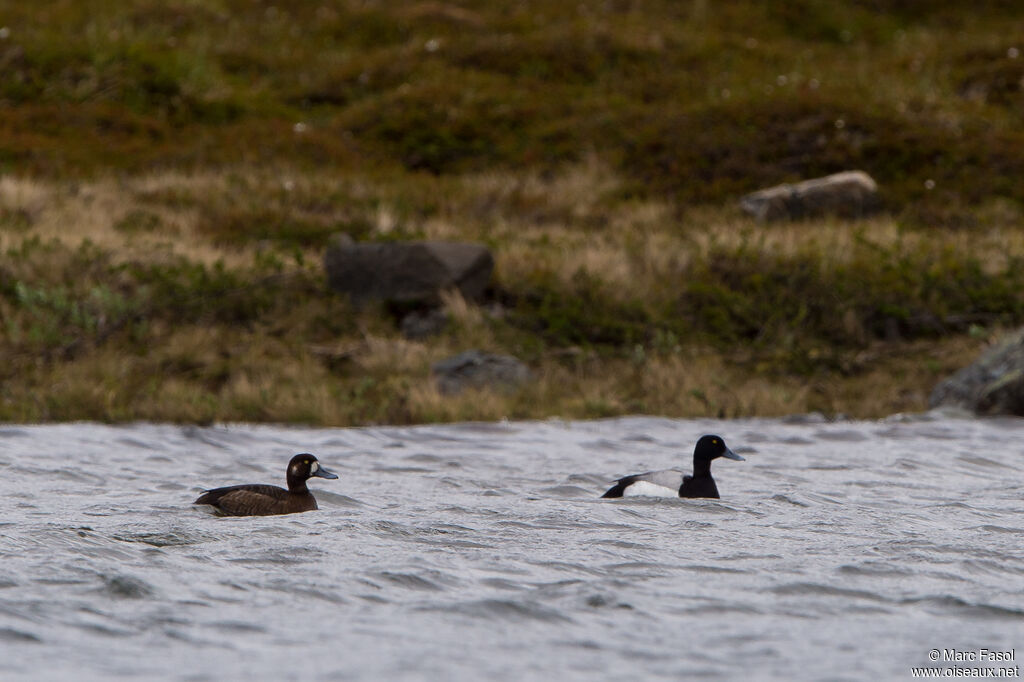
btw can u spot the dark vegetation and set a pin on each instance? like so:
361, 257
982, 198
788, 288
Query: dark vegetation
693, 100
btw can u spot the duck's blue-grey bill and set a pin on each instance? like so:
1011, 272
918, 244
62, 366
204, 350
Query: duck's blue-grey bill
324, 473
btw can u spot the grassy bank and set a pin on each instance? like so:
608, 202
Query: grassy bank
172, 173
620, 308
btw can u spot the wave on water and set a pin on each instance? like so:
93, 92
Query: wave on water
470, 551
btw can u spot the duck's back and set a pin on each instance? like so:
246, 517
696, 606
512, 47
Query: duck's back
257, 500
655, 483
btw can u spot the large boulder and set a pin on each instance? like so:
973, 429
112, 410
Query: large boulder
994, 384
407, 272
851, 194
476, 369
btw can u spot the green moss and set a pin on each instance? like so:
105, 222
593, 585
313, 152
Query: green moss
583, 315
447, 89
139, 221
809, 135
992, 76
61, 298
240, 226
805, 310
455, 123
566, 55
874, 293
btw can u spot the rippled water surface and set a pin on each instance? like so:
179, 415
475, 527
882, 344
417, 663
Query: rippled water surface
840, 550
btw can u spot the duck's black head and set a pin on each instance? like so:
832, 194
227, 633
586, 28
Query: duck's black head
303, 467
712, 447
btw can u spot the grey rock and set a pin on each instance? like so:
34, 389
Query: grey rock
476, 369
851, 194
424, 323
407, 272
993, 384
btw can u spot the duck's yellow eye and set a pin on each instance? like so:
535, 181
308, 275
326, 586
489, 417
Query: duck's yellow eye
714, 441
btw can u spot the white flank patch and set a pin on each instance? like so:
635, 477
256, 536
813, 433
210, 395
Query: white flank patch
648, 489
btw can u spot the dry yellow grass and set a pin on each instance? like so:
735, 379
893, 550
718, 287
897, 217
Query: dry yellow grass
555, 224
91, 211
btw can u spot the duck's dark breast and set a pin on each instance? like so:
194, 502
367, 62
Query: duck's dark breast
701, 486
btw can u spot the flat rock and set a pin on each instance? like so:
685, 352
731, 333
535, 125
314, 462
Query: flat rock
407, 272
851, 194
476, 369
993, 384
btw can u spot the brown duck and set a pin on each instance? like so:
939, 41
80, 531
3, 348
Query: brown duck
256, 499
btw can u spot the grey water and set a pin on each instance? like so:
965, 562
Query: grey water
839, 550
